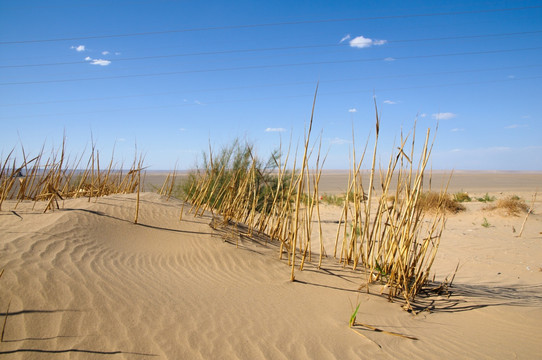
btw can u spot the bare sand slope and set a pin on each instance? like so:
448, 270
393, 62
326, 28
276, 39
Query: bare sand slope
86, 283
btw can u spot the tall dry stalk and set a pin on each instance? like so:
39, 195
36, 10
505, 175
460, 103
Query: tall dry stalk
393, 242
54, 177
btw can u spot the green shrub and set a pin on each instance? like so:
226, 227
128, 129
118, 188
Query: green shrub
486, 198
461, 197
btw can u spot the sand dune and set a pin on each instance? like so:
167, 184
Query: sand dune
85, 282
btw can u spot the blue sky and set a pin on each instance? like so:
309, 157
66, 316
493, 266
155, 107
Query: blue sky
173, 76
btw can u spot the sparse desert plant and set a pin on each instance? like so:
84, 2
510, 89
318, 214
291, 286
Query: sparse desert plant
431, 201
336, 199
511, 205
395, 244
486, 198
485, 223
462, 196
55, 178
234, 168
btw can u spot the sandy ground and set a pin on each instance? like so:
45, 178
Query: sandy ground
84, 282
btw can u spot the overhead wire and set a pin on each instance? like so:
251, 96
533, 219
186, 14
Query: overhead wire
280, 48
248, 26
255, 67
307, 95
249, 87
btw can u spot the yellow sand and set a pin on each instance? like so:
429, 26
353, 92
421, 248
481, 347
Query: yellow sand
86, 283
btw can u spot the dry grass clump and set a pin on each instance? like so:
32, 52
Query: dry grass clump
264, 197
394, 244
55, 177
511, 205
431, 201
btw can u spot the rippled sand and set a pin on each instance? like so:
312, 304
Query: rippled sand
86, 283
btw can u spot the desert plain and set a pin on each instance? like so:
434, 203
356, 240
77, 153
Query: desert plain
85, 282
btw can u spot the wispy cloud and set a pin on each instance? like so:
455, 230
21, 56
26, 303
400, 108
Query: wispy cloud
422, 115
100, 62
363, 42
88, 58
457, 129
344, 38
182, 129
352, 110
339, 141
444, 116
516, 126
389, 59
275, 130
78, 48
105, 52
390, 102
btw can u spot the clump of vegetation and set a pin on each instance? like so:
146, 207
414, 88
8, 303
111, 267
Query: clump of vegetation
486, 224
486, 198
55, 177
243, 190
511, 205
462, 196
388, 243
336, 199
236, 168
394, 244
432, 201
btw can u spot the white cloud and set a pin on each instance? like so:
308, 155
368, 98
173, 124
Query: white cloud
511, 76
182, 129
363, 42
353, 110
389, 59
121, 139
78, 48
339, 141
444, 116
275, 130
389, 102
105, 52
457, 129
117, 53
100, 62
344, 38
516, 126
88, 58
422, 115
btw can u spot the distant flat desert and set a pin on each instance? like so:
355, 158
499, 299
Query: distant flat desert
85, 282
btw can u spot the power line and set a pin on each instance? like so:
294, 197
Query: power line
255, 67
248, 26
248, 87
223, 52
308, 95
